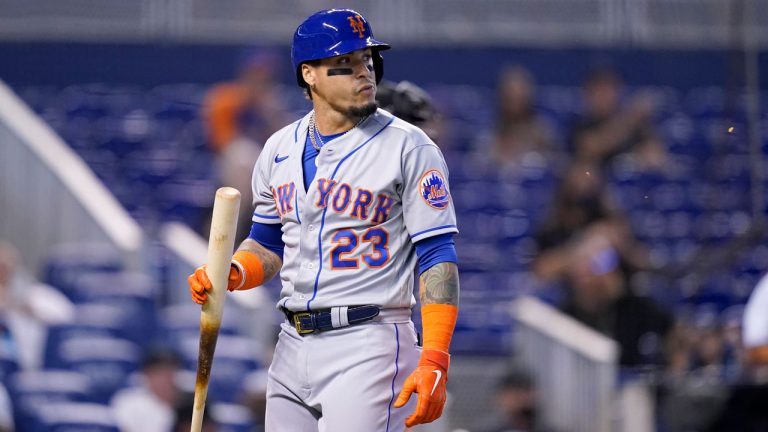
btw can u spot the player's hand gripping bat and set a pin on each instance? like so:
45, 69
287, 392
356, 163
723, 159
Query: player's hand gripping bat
220, 246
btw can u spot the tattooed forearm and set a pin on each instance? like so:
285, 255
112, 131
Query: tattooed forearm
440, 284
271, 262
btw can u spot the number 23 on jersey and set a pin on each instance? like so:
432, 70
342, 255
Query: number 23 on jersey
345, 243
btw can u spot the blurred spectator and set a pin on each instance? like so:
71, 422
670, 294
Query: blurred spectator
411, 103
516, 408
150, 406
183, 415
694, 390
599, 296
607, 129
239, 116
518, 129
710, 351
581, 205
27, 308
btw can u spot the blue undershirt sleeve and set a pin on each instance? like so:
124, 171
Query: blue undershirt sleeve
435, 250
268, 235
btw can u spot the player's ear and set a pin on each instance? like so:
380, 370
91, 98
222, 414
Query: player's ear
309, 73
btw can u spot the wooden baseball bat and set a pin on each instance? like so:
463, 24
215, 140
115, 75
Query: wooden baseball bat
220, 246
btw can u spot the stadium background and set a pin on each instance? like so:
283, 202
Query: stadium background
123, 83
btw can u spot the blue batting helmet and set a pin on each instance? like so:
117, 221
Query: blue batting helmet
333, 32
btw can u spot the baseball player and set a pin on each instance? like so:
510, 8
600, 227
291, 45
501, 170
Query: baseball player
349, 200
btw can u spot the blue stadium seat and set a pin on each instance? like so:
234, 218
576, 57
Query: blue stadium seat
31, 389
67, 262
75, 417
119, 286
134, 296
107, 361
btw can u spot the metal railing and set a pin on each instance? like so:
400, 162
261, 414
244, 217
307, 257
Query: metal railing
643, 23
575, 368
49, 196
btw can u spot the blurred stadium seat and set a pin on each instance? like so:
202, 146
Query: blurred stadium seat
29, 390
106, 361
67, 262
75, 417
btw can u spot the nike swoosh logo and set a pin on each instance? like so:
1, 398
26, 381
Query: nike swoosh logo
279, 159
437, 381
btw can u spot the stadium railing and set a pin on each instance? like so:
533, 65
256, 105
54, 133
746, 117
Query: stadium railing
48, 195
575, 368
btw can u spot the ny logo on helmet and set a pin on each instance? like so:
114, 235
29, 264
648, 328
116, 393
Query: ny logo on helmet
356, 22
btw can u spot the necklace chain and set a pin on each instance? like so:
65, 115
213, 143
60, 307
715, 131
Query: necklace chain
314, 135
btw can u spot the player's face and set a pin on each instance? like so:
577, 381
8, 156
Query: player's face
346, 82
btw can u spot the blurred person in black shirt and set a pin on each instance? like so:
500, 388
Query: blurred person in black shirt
516, 406
600, 297
608, 129
581, 208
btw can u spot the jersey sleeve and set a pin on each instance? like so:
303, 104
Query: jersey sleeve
264, 206
427, 203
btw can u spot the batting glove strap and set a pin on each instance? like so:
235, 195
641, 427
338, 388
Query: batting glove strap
238, 266
250, 268
435, 358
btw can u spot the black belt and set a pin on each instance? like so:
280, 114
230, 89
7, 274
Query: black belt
329, 319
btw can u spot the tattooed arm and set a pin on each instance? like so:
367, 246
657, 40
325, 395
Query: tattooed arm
270, 262
440, 285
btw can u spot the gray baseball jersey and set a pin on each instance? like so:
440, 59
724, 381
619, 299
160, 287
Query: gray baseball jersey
349, 238
349, 241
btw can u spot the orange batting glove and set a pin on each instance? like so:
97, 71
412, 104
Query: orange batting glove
245, 273
428, 380
199, 284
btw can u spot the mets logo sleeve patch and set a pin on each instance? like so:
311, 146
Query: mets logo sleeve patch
434, 189
427, 208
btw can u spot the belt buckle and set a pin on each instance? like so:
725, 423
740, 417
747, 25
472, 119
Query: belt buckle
297, 322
